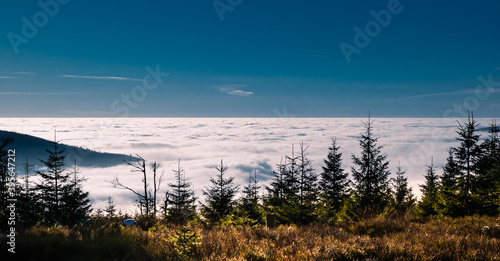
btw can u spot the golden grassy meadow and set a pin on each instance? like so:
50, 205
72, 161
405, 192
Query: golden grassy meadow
468, 238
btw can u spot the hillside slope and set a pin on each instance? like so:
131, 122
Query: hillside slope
34, 148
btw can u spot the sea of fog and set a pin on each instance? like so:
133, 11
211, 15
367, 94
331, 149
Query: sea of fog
245, 145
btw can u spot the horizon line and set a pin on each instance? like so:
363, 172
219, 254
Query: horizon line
239, 117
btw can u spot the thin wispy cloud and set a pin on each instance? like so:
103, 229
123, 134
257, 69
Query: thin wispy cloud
116, 78
235, 89
24, 73
428, 95
40, 93
21, 93
240, 93
442, 94
231, 86
7, 77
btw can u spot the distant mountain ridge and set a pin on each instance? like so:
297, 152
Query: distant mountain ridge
34, 148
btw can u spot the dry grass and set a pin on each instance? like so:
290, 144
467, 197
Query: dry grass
375, 239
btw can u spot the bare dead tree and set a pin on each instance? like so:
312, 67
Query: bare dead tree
139, 165
117, 184
164, 206
156, 184
148, 198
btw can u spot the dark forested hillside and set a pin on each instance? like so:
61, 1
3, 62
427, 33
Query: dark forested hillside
34, 148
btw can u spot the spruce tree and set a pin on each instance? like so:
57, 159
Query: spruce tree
250, 200
180, 200
467, 156
404, 199
308, 191
427, 205
448, 204
275, 198
291, 178
293, 193
275, 192
490, 148
371, 176
333, 185
219, 196
29, 209
492, 144
289, 210
53, 184
61, 193
110, 209
487, 189
76, 202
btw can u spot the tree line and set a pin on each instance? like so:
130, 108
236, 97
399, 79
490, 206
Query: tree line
297, 193
57, 197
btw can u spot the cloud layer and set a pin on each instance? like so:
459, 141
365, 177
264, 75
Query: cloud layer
245, 144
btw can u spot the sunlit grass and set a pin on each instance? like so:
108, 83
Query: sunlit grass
377, 239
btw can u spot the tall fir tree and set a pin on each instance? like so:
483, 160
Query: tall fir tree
53, 184
427, 207
308, 191
487, 189
490, 157
250, 200
275, 198
60, 193
276, 188
333, 185
293, 193
448, 204
371, 176
291, 178
289, 209
180, 200
404, 199
29, 209
219, 196
467, 155
76, 203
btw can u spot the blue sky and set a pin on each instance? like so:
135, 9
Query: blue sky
263, 59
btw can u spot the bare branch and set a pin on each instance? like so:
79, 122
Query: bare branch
118, 185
